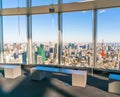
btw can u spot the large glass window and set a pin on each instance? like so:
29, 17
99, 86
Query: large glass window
108, 41
71, 1
13, 3
77, 39
15, 39
43, 2
45, 38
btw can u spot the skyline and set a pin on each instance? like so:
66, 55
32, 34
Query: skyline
77, 26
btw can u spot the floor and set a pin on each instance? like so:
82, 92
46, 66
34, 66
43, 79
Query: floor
55, 85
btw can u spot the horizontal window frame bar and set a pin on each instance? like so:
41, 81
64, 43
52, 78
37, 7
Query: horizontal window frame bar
68, 7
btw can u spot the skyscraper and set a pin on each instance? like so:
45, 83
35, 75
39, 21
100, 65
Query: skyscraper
41, 52
24, 55
55, 50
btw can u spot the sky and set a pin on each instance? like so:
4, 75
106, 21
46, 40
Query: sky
77, 26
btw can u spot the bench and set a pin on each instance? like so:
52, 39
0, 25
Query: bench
79, 77
114, 83
11, 71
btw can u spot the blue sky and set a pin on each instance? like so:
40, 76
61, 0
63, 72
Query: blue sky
77, 26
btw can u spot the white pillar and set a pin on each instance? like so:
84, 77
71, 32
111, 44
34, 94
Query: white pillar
29, 34
1, 36
60, 33
94, 37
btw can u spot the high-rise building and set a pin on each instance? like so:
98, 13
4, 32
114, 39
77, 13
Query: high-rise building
47, 54
51, 50
55, 50
51, 55
15, 55
41, 52
34, 57
24, 55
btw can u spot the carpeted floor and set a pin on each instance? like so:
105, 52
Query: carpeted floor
56, 85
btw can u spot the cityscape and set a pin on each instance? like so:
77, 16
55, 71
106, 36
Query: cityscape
73, 54
60, 48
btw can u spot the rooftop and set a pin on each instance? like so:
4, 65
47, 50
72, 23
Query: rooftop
55, 85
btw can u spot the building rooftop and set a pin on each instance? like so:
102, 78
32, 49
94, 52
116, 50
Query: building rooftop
55, 85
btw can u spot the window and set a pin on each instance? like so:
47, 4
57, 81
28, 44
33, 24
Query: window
43, 2
15, 39
77, 39
13, 3
108, 42
71, 1
45, 38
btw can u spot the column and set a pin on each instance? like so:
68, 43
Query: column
60, 33
1, 35
94, 37
29, 34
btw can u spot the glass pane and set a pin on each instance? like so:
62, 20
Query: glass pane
14, 39
45, 38
43, 2
108, 42
13, 3
70, 1
77, 39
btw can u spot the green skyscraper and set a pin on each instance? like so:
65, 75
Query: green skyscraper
41, 52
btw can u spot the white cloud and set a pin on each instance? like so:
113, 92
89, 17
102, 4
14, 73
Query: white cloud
83, 11
89, 0
102, 11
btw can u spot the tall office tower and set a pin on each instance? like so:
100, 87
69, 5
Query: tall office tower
55, 50
89, 60
41, 52
51, 50
88, 47
69, 45
51, 55
72, 45
24, 56
47, 54
15, 55
34, 57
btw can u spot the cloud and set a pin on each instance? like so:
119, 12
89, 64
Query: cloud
102, 11
85, 0
83, 11
89, 0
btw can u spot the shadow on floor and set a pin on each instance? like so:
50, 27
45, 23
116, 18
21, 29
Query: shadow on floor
49, 87
97, 82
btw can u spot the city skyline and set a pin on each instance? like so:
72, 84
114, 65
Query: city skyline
77, 26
